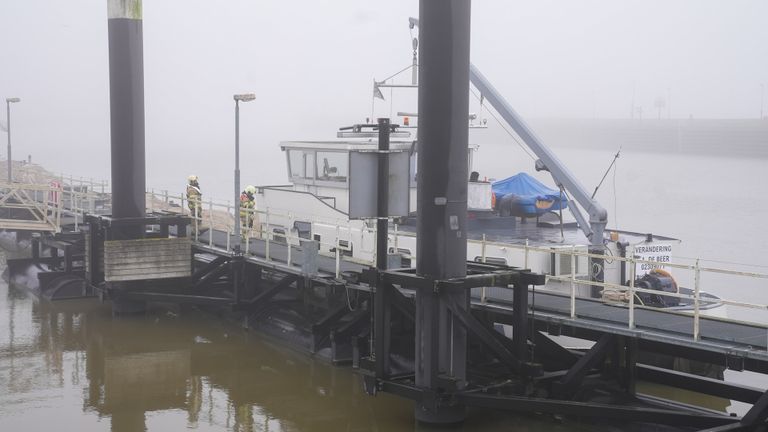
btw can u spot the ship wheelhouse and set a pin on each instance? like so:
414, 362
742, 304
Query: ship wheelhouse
324, 168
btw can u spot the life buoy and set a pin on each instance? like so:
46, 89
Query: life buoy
662, 272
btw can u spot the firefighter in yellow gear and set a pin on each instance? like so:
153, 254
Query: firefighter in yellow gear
194, 200
247, 206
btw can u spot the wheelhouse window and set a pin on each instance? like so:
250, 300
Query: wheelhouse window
332, 166
302, 164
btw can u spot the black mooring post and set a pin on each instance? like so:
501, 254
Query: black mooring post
441, 341
381, 307
382, 223
126, 103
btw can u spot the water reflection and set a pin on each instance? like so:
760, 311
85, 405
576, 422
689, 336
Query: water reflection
70, 365
215, 374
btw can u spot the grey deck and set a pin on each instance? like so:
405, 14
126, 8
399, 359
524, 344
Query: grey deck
716, 334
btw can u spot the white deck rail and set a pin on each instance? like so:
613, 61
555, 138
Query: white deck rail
220, 216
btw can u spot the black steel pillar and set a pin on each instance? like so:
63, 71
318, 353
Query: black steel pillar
381, 299
126, 97
442, 200
126, 103
382, 223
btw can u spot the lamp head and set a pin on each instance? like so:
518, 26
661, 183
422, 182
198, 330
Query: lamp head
245, 97
12, 100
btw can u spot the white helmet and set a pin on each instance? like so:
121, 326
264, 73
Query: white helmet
251, 189
192, 178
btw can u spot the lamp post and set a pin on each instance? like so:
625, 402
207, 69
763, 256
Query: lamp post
245, 97
8, 102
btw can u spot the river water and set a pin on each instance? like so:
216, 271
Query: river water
71, 366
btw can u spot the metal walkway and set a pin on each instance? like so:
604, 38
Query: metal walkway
29, 207
299, 295
729, 338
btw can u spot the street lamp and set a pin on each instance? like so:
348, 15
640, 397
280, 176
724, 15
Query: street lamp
245, 97
8, 102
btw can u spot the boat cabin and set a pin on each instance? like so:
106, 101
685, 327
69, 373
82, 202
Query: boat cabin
326, 169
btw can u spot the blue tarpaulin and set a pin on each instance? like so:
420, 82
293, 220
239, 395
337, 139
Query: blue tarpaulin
526, 191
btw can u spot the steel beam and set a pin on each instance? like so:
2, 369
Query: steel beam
758, 413
569, 385
403, 304
209, 267
176, 298
257, 302
321, 330
382, 326
556, 355
486, 336
699, 384
596, 410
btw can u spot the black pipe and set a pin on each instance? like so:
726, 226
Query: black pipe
381, 299
443, 138
441, 341
382, 223
126, 97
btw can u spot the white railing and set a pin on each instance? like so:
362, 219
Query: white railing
39, 204
220, 216
572, 281
45, 196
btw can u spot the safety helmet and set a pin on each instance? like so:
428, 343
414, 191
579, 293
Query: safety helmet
192, 178
251, 189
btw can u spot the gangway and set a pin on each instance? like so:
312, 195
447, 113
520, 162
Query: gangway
46, 207
30, 207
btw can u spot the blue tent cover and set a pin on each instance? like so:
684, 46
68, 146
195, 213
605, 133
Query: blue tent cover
526, 188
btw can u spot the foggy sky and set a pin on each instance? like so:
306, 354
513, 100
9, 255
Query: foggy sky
311, 65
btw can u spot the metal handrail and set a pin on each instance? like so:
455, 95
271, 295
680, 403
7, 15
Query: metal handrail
350, 228
37, 200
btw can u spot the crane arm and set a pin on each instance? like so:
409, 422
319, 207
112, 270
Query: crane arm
598, 216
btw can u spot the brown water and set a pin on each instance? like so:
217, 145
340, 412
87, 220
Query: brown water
71, 366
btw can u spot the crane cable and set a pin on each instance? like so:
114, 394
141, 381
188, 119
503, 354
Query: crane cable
511, 135
615, 157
